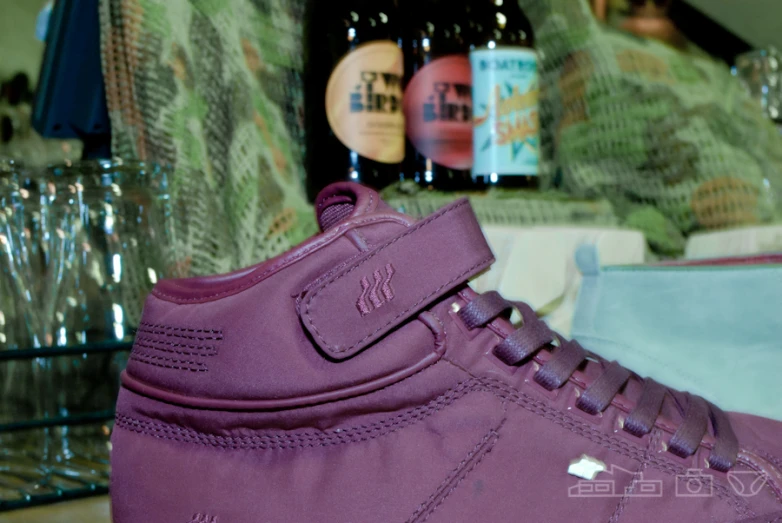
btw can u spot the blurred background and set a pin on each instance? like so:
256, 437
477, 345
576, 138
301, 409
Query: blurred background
150, 139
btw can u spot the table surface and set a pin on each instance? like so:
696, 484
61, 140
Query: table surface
90, 510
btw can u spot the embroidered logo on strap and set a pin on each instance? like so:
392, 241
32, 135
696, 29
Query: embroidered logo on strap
374, 295
387, 284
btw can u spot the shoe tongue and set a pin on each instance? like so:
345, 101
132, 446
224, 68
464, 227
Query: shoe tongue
344, 200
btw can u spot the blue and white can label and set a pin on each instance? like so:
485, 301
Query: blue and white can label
506, 137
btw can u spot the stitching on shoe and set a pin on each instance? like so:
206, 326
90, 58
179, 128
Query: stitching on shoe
336, 232
147, 343
328, 200
178, 336
777, 519
176, 364
609, 442
485, 446
181, 329
777, 462
451, 475
304, 439
169, 332
371, 199
310, 298
167, 343
626, 495
359, 433
620, 508
746, 458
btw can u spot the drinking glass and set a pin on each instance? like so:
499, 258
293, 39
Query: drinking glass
25, 240
122, 215
80, 247
760, 71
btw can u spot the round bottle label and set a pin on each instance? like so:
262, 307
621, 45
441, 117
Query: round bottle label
438, 111
505, 97
364, 101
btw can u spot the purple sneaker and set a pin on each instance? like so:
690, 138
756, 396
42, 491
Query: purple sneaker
358, 378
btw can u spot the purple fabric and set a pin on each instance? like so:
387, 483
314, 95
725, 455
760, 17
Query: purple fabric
232, 410
776, 517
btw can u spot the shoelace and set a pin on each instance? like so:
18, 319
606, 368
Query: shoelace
534, 335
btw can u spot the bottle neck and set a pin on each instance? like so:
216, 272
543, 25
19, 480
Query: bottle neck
501, 23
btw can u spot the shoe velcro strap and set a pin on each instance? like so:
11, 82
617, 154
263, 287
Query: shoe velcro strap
369, 297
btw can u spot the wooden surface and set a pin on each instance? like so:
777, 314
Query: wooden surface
90, 510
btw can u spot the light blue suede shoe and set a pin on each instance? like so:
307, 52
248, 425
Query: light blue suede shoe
713, 327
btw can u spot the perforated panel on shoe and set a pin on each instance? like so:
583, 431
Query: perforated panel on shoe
175, 347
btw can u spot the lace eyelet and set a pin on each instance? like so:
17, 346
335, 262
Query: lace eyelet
686, 462
529, 379
702, 456
573, 408
620, 431
510, 370
624, 429
453, 312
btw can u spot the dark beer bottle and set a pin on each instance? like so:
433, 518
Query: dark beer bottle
437, 97
506, 137
17, 90
353, 103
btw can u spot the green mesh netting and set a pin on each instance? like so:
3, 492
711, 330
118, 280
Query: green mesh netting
643, 124
506, 207
668, 142
669, 139
213, 88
